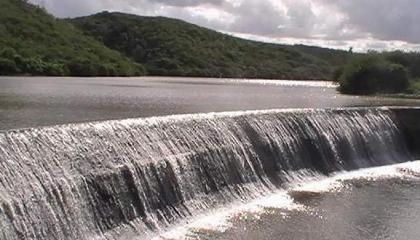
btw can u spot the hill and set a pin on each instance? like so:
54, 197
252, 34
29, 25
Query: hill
36, 43
173, 47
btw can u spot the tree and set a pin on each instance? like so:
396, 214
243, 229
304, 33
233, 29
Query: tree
372, 73
8, 66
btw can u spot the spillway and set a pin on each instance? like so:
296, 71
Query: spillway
128, 179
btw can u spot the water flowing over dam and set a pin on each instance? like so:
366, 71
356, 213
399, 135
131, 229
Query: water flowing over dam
130, 178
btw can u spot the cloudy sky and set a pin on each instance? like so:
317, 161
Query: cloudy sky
362, 24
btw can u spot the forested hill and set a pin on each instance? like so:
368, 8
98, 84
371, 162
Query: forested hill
33, 42
36, 43
176, 48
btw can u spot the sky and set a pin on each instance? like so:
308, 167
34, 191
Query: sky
361, 24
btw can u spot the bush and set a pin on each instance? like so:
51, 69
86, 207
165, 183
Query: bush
82, 68
394, 79
337, 73
55, 69
414, 87
34, 65
8, 53
8, 66
371, 74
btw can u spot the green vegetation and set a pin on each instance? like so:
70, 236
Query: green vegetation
414, 87
115, 44
176, 48
381, 73
34, 42
373, 74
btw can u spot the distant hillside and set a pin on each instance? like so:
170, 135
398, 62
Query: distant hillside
34, 42
176, 48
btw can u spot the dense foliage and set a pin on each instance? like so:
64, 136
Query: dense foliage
173, 47
387, 72
34, 42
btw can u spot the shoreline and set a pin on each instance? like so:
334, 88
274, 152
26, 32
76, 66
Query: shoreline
400, 96
175, 76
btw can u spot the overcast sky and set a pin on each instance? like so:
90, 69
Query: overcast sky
362, 24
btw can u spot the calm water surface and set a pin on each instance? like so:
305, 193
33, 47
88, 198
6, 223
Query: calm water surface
41, 101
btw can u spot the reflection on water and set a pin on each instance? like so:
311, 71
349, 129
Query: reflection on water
34, 101
379, 210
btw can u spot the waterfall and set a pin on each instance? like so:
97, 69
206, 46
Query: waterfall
130, 178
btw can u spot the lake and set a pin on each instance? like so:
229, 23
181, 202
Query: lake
42, 101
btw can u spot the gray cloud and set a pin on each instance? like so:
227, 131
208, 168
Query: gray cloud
68, 8
256, 17
385, 19
323, 20
189, 3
